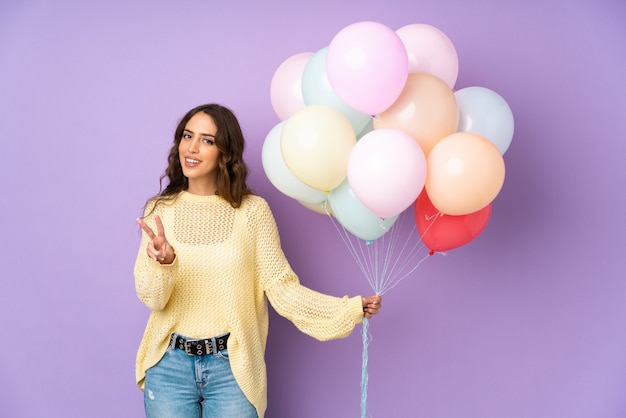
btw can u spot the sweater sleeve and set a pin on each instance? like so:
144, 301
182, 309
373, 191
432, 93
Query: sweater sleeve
321, 316
153, 281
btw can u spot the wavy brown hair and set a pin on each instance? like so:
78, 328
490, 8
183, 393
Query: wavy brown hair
232, 170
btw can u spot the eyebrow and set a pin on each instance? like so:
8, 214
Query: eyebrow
190, 131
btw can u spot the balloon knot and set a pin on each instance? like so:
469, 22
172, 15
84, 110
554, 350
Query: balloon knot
431, 252
368, 242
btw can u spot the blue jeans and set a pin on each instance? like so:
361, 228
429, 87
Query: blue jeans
183, 386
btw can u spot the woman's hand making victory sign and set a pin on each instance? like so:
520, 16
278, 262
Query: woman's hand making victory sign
158, 248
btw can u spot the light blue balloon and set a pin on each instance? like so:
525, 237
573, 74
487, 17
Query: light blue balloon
316, 90
354, 216
484, 112
367, 129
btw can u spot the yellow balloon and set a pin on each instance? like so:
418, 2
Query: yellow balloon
426, 110
465, 172
315, 143
322, 208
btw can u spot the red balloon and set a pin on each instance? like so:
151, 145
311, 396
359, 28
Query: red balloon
446, 232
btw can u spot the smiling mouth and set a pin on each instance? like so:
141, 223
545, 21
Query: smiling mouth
191, 161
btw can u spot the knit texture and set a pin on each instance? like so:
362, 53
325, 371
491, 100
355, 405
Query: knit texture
229, 262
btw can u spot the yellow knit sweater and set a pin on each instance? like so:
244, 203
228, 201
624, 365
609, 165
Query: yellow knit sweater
227, 262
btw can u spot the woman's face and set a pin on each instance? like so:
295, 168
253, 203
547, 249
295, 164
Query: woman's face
198, 154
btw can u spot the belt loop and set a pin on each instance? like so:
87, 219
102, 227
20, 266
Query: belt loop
214, 344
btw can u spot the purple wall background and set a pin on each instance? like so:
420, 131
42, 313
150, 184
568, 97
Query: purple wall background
525, 321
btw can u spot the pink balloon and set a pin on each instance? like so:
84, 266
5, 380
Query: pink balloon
286, 86
386, 171
367, 66
430, 51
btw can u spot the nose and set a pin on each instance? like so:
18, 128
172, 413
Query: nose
193, 146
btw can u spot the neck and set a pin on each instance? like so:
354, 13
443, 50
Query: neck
202, 189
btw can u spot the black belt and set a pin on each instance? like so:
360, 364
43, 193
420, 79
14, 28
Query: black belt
201, 347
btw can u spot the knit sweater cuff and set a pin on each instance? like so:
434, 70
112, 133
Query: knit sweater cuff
355, 305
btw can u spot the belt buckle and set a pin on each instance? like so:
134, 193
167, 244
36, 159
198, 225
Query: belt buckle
198, 347
187, 348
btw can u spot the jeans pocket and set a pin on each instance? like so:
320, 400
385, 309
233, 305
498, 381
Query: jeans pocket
168, 352
223, 355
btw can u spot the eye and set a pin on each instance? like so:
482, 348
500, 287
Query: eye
186, 136
209, 141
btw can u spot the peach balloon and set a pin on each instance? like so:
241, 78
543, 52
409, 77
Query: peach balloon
426, 110
465, 172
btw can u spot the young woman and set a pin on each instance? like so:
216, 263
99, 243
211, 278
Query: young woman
209, 259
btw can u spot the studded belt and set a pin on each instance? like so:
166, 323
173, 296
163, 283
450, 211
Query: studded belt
200, 347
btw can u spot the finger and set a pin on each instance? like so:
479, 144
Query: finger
159, 225
373, 300
151, 251
369, 309
146, 228
162, 253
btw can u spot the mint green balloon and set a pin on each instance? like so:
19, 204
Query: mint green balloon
354, 216
316, 90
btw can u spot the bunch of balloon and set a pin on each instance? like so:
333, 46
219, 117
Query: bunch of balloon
466, 171
370, 125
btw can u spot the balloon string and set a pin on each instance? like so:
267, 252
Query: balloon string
385, 261
391, 284
345, 236
398, 259
374, 258
390, 268
364, 375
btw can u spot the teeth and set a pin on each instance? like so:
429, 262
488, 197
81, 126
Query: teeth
190, 161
